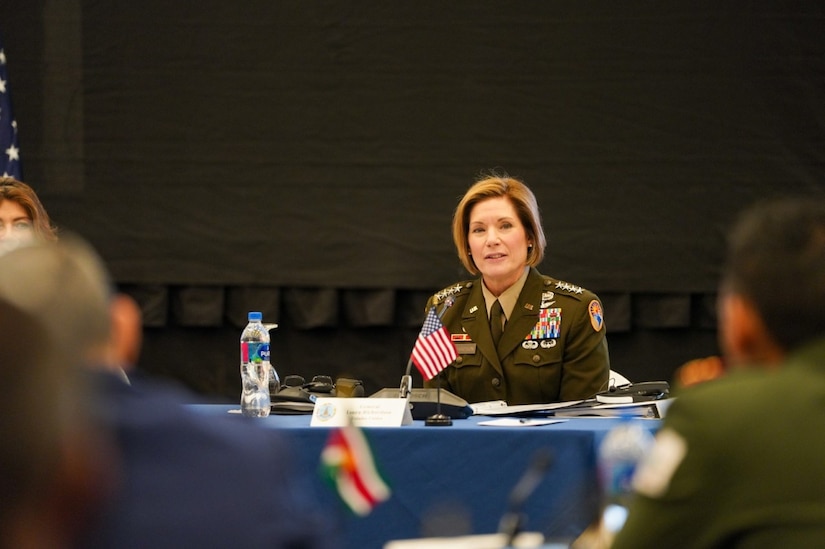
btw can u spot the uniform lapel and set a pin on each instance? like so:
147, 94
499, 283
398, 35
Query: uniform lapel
474, 321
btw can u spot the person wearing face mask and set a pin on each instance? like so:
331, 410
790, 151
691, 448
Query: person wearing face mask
521, 336
22, 217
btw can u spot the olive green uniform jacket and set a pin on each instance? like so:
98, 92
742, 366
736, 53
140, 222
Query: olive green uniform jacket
553, 347
738, 462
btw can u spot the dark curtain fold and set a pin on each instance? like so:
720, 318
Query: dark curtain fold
153, 300
311, 308
662, 310
618, 311
363, 308
705, 311
198, 305
241, 300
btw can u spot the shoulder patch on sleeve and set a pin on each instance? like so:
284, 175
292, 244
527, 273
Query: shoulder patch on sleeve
596, 315
653, 476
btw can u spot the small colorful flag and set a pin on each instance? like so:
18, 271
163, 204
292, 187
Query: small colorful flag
9, 148
433, 351
348, 464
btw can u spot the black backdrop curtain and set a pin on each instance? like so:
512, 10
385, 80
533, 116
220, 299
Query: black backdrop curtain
304, 158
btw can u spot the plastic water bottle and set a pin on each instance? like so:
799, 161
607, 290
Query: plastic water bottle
619, 454
255, 368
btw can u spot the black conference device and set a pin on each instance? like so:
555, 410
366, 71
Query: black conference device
635, 392
424, 402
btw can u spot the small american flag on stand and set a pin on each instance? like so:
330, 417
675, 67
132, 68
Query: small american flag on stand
433, 351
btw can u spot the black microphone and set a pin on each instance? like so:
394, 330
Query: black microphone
513, 520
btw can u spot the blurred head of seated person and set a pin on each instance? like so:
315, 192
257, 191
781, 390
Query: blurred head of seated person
53, 465
22, 216
738, 462
521, 336
186, 478
66, 286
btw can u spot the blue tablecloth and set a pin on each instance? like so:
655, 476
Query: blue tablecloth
459, 477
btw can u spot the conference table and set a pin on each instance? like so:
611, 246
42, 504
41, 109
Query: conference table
458, 479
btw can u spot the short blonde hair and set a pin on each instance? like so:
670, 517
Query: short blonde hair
522, 199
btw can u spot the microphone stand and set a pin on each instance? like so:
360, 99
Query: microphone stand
406, 382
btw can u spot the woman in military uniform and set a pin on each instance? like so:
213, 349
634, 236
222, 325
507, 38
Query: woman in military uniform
550, 334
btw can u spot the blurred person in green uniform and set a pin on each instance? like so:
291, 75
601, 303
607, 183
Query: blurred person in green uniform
738, 461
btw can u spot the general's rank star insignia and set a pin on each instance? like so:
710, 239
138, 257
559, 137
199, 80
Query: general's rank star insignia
446, 292
569, 287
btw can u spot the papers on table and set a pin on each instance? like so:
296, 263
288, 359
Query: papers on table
500, 408
519, 422
653, 409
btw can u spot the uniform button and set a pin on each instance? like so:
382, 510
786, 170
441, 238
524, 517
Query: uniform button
459, 360
536, 359
496, 382
468, 285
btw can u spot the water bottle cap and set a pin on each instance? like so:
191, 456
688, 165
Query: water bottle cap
255, 315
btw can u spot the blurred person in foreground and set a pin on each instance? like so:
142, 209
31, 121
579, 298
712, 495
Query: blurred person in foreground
185, 479
551, 334
738, 461
22, 217
53, 466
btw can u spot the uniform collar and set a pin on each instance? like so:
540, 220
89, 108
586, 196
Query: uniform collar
508, 297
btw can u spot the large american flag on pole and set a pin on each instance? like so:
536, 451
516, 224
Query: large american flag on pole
433, 351
9, 149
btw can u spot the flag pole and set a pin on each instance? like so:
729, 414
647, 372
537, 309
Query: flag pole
438, 419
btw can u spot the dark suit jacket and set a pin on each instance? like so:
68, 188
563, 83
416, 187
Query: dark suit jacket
188, 480
530, 365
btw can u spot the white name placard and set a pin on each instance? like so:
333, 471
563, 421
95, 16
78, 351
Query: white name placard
364, 412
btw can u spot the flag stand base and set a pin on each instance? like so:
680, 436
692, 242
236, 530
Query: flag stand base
438, 420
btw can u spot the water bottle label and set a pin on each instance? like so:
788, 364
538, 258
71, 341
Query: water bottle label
254, 352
